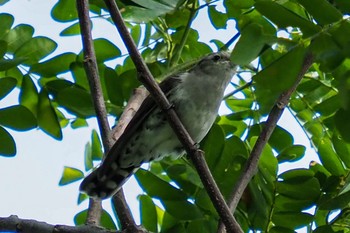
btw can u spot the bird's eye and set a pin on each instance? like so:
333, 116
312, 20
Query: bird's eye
216, 57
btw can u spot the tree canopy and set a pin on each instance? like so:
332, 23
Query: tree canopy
292, 54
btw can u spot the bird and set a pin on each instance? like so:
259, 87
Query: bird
195, 94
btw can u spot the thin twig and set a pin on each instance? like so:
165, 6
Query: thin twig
91, 69
196, 155
270, 124
15, 224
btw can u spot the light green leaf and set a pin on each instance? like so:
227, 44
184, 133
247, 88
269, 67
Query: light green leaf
96, 146
35, 49
72, 30
70, 175
64, 11
19, 35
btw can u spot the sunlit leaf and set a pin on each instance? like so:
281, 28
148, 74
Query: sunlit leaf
70, 175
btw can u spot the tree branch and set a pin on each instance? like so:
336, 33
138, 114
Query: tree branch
197, 156
15, 224
270, 124
91, 69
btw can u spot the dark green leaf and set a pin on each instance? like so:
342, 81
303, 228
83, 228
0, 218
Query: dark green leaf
6, 86
148, 213
338, 202
64, 11
35, 49
292, 219
77, 101
284, 203
284, 18
114, 85
6, 64
55, 65
322, 11
29, 95
7, 145
106, 219
158, 188
3, 48
291, 154
47, 118
276, 74
279, 229
70, 175
304, 189
182, 210
6, 24
342, 123
213, 153
18, 118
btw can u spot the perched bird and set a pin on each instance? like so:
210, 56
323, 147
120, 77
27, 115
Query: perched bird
196, 96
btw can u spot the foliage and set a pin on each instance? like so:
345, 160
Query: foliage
274, 37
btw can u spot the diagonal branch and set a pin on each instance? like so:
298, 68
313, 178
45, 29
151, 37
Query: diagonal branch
271, 122
15, 224
90, 64
196, 155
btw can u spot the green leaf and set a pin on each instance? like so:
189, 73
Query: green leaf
106, 219
47, 118
114, 86
338, 202
249, 45
322, 11
70, 175
6, 86
78, 123
279, 229
72, 30
96, 146
18, 35
64, 11
292, 219
158, 188
105, 50
148, 213
54, 66
342, 123
28, 95
35, 49
276, 74
328, 157
291, 154
182, 210
88, 157
284, 203
6, 24
8, 144
300, 188
82, 197
77, 101
218, 19
18, 118
342, 148
6, 64
284, 18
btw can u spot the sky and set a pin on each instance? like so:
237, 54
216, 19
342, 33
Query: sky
29, 181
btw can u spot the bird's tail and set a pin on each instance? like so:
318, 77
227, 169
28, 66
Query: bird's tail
103, 182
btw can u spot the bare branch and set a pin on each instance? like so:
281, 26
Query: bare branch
270, 124
90, 64
15, 224
196, 155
